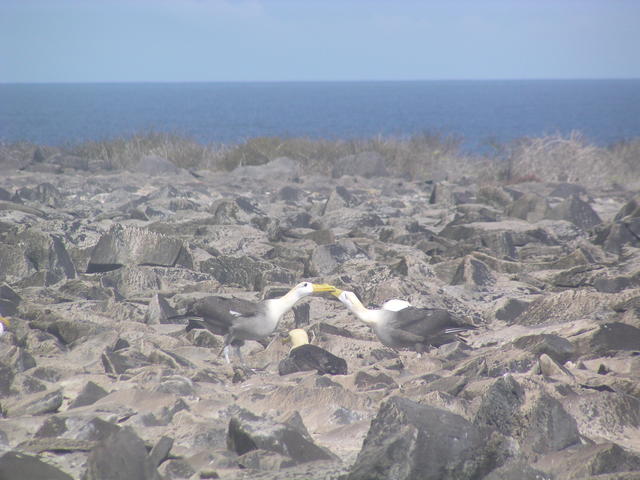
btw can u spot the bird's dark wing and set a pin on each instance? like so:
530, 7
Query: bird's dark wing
413, 326
426, 321
219, 313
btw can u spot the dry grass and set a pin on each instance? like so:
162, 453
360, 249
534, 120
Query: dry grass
552, 158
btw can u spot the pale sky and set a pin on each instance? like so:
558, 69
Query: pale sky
282, 40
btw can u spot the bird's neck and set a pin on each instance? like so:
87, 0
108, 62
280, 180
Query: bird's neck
367, 315
280, 306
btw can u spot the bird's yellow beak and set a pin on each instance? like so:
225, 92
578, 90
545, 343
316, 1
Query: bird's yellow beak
5, 321
323, 287
336, 292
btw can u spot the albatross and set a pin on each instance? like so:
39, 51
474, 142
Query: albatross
4, 324
304, 357
239, 320
401, 325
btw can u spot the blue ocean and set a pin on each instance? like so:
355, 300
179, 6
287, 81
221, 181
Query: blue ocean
478, 112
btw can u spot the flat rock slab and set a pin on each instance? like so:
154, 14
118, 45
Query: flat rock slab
126, 245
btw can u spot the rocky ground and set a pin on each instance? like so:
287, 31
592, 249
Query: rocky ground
99, 378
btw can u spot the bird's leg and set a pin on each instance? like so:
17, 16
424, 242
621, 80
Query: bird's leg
226, 353
239, 353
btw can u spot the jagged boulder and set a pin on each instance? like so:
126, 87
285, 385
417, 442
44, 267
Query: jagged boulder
248, 432
408, 440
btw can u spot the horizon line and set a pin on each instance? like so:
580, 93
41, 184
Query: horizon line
112, 82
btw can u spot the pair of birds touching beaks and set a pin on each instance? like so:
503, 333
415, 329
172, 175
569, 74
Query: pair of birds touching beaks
397, 324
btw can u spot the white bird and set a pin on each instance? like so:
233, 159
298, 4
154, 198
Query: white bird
4, 324
239, 320
407, 327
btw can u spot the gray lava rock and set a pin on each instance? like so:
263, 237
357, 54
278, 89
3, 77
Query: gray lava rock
249, 432
326, 259
473, 273
558, 348
159, 311
9, 301
529, 207
89, 394
126, 245
37, 404
511, 309
246, 272
121, 456
539, 421
609, 338
27, 251
577, 212
15, 465
408, 440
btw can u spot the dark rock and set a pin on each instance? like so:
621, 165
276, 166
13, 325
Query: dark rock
15, 465
121, 456
264, 460
614, 284
326, 259
45, 194
6, 379
159, 311
473, 273
96, 430
408, 440
9, 301
120, 361
518, 470
301, 314
511, 309
613, 237
577, 212
249, 432
68, 331
321, 237
53, 426
269, 225
367, 381
540, 422
558, 348
591, 461
364, 164
567, 190
529, 207
609, 338
289, 193
48, 374
37, 404
89, 394
449, 194
160, 451
178, 469
19, 358
28, 251
132, 281
126, 245
243, 271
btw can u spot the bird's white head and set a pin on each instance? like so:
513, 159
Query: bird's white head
349, 299
307, 288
